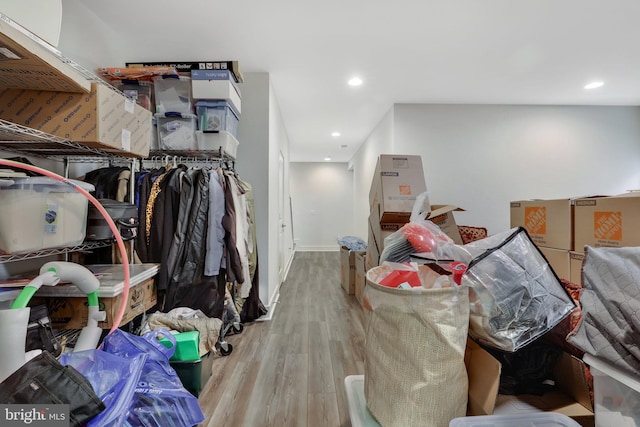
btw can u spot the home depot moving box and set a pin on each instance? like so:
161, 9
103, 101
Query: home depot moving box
442, 216
575, 267
570, 397
548, 222
103, 118
607, 221
558, 260
361, 271
397, 181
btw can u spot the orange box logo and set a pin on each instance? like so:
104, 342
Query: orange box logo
535, 219
405, 190
607, 225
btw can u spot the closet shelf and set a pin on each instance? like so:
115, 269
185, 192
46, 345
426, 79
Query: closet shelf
85, 246
32, 142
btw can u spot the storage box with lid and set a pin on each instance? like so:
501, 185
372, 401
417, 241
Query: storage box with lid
217, 141
210, 85
140, 91
217, 116
176, 132
173, 94
40, 212
616, 394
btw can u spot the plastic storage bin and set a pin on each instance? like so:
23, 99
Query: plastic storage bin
177, 132
535, 419
358, 412
216, 116
141, 91
194, 374
616, 394
186, 346
40, 212
173, 94
214, 141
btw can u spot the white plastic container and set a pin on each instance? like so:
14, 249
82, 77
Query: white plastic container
616, 394
358, 412
177, 132
173, 95
40, 212
214, 141
534, 419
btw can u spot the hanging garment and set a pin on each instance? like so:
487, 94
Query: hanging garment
190, 265
215, 231
144, 191
232, 259
242, 232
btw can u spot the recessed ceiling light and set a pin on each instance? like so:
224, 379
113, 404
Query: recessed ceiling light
594, 85
335, 134
344, 146
327, 159
355, 81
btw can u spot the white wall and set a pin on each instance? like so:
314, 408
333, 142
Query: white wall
363, 163
322, 199
480, 157
262, 136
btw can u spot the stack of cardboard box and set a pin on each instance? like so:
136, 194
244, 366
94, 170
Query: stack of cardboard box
561, 228
397, 181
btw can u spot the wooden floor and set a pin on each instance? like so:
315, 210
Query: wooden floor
290, 371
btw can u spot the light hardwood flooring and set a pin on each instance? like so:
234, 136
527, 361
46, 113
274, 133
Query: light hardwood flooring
290, 371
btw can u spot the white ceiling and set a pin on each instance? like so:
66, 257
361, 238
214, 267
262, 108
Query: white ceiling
446, 51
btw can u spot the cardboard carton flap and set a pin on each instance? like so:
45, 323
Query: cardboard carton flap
483, 371
443, 209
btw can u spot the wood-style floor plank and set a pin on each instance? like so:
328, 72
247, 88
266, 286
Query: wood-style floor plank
290, 371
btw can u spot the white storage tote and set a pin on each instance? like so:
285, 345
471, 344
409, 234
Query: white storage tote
40, 212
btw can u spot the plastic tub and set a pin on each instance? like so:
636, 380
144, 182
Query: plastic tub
194, 374
216, 116
214, 141
177, 132
358, 412
616, 394
40, 212
173, 94
186, 346
535, 419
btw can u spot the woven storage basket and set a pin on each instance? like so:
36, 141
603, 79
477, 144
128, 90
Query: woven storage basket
414, 353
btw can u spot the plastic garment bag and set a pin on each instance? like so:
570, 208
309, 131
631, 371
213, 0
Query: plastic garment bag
159, 399
113, 378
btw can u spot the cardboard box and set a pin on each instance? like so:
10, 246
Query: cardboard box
559, 261
102, 118
348, 269
397, 181
72, 312
548, 222
571, 397
28, 62
361, 272
607, 221
442, 216
575, 267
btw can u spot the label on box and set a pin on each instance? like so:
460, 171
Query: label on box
50, 218
535, 219
130, 105
607, 225
126, 140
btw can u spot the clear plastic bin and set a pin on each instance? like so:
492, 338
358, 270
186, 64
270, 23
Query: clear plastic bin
214, 141
173, 94
536, 419
177, 132
141, 91
616, 394
216, 116
40, 212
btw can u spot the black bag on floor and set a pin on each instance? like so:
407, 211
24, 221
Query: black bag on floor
43, 380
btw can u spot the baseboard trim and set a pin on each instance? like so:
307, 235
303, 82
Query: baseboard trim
332, 248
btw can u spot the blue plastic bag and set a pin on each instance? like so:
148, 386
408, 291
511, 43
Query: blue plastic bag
159, 399
113, 378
